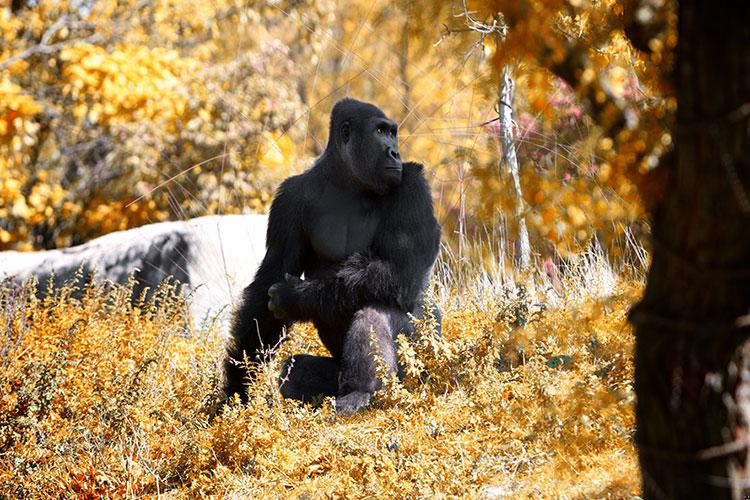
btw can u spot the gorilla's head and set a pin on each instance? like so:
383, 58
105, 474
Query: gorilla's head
365, 144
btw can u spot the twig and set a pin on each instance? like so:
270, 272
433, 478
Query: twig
44, 47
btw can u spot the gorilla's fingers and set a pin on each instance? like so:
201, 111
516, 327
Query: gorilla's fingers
274, 301
290, 279
273, 297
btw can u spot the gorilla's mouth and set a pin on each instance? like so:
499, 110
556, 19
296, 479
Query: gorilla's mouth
394, 165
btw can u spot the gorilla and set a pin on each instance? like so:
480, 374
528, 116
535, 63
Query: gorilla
360, 225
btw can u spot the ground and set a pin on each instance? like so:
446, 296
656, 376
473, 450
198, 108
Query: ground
527, 394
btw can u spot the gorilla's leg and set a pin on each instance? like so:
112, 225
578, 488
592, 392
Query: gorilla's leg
371, 332
305, 377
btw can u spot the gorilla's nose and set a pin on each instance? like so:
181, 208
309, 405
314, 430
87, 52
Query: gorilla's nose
394, 154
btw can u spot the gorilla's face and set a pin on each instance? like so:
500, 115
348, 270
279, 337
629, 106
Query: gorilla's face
368, 146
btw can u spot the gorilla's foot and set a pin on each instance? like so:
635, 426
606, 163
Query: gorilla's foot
352, 402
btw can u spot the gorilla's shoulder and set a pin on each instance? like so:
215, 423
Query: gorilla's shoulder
295, 186
293, 181
292, 196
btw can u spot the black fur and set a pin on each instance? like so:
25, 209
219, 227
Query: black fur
360, 225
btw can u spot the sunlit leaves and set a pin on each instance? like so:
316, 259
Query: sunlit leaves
229, 99
128, 83
592, 113
164, 115
104, 397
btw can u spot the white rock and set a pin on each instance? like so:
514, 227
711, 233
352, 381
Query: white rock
216, 256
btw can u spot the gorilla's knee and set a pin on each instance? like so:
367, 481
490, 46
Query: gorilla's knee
370, 334
370, 318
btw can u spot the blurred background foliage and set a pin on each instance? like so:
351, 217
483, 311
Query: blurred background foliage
118, 113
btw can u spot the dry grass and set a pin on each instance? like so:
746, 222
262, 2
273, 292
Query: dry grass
528, 394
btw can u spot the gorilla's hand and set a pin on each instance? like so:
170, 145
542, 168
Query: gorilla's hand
366, 277
354, 270
283, 296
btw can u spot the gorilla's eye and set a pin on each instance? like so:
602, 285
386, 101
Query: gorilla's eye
385, 130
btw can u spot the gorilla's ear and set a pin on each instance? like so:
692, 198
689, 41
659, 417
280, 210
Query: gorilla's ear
346, 131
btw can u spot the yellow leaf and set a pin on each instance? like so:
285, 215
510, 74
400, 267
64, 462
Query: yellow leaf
20, 209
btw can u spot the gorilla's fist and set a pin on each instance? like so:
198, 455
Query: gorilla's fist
283, 297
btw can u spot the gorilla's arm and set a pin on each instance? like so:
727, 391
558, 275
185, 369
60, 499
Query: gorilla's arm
254, 326
394, 273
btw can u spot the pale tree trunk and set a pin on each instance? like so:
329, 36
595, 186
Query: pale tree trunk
507, 139
692, 359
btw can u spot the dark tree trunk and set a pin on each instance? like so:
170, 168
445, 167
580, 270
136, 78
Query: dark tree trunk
692, 360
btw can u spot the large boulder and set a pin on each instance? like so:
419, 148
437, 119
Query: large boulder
214, 256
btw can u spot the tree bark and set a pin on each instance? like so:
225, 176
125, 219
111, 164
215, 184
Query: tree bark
692, 359
505, 106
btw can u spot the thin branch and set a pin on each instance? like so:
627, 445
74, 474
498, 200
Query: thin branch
44, 47
498, 25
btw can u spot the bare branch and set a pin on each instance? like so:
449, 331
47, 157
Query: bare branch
44, 47
498, 26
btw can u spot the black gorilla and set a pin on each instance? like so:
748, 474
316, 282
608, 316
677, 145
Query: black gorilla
360, 225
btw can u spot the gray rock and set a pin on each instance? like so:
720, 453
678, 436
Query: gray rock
215, 256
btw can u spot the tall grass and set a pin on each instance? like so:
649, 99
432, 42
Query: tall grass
527, 392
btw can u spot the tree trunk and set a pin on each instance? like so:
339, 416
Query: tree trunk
692, 359
505, 106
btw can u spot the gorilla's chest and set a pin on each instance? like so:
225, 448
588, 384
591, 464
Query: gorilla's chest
343, 230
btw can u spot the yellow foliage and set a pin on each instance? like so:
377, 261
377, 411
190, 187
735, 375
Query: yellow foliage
17, 110
133, 109
276, 151
128, 83
12, 98
100, 397
222, 100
